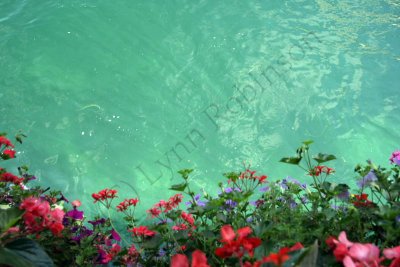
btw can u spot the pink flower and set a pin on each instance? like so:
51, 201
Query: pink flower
395, 158
393, 253
368, 254
76, 203
354, 254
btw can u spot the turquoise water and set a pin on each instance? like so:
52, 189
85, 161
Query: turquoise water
125, 93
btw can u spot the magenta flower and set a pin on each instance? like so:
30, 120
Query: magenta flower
395, 158
74, 214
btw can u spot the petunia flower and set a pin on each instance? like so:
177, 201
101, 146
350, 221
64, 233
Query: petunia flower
74, 214
395, 158
367, 179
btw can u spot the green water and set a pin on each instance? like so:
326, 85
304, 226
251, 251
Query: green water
125, 93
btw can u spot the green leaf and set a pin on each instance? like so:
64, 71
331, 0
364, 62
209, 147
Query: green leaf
11, 259
152, 242
9, 217
24, 252
308, 142
291, 160
309, 257
178, 187
320, 158
185, 173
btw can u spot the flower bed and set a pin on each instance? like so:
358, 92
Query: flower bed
251, 222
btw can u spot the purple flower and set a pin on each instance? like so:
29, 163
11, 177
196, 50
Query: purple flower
197, 201
74, 214
304, 199
249, 220
292, 204
395, 158
84, 232
115, 235
97, 222
344, 195
231, 203
367, 179
162, 252
257, 203
264, 189
398, 219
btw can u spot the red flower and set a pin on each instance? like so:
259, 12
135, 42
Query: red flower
321, 169
199, 259
236, 245
104, 194
180, 227
279, 258
187, 217
248, 174
154, 212
362, 201
4, 141
38, 216
142, 231
124, 205
9, 154
11, 178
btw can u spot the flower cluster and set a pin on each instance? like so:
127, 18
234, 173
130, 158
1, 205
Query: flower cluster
248, 174
105, 196
165, 206
10, 178
142, 231
199, 259
358, 254
5, 148
236, 244
395, 157
321, 169
362, 201
124, 205
282, 256
39, 216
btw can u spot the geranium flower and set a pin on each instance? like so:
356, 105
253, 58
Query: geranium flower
282, 256
362, 201
4, 141
393, 254
10, 178
104, 195
236, 244
124, 205
199, 259
321, 169
187, 217
9, 154
142, 231
354, 254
